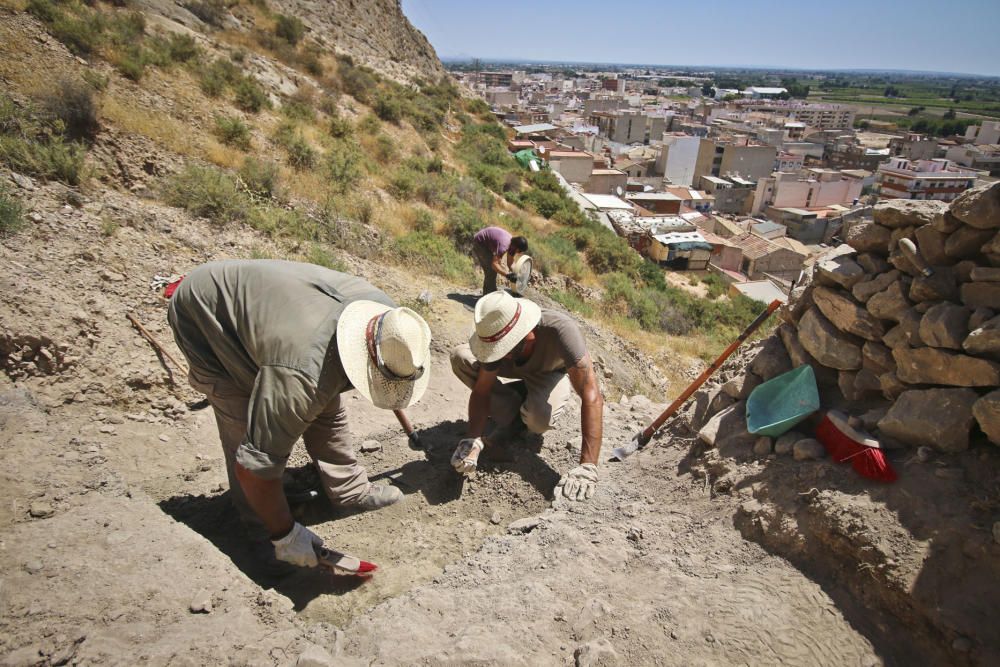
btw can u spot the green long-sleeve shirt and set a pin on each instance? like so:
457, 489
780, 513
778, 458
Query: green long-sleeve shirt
269, 328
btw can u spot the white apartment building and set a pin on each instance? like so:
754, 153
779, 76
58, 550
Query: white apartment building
987, 133
812, 189
677, 158
939, 179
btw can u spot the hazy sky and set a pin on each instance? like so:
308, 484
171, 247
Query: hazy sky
931, 35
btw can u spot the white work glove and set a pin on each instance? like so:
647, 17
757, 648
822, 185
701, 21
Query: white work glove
579, 483
466, 456
298, 547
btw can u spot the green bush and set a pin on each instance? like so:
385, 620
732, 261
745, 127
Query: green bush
403, 184
543, 202
212, 12
278, 221
478, 107
232, 131
95, 79
572, 302
11, 213
461, 224
388, 108
82, 31
423, 221
370, 124
176, 48
47, 156
214, 78
260, 177
358, 82
340, 127
385, 149
290, 29
130, 62
250, 96
557, 254
300, 154
206, 192
297, 109
343, 165
72, 103
320, 256
434, 254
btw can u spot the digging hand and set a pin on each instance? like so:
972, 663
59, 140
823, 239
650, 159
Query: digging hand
579, 483
512, 277
298, 547
466, 456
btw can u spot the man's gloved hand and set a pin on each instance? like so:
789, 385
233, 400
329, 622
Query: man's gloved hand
298, 547
512, 277
579, 483
466, 456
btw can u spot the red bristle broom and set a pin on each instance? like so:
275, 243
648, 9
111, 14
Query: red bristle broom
844, 443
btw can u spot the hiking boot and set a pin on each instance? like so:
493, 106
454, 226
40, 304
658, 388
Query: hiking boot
378, 496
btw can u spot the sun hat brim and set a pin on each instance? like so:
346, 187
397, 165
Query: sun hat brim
362, 372
489, 352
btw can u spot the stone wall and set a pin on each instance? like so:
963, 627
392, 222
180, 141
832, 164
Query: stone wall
914, 354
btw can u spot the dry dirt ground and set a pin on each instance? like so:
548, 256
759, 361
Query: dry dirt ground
116, 521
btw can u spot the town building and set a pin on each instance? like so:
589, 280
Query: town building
987, 133
763, 256
764, 93
677, 157
937, 179
733, 195
979, 157
810, 188
623, 127
495, 79
575, 166
719, 157
913, 146
658, 203
606, 181
788, 161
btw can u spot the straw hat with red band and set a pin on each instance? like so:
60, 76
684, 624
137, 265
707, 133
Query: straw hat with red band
501, 322
386, 353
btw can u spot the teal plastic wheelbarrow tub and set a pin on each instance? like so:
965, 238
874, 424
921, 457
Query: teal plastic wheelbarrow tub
782, 402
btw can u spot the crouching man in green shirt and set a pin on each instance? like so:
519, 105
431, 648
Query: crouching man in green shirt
544, 355
273, 344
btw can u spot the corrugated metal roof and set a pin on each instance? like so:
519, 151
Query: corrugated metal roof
671, 238
607, 201
538, 127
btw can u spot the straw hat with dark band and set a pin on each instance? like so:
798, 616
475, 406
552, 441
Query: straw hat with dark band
501, 322
385, 353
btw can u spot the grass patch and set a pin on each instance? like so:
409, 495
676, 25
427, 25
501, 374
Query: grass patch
249, 96
34, 144
206, 192
11, 213
320, 256
434, 254
260, 178
232, 131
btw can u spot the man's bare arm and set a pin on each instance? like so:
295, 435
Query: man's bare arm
479, 402
584, 381
267, 498
498, 265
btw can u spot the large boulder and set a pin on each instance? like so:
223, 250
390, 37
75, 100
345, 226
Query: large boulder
930, 244
896, 213
869, 237
928, 365
967, 242
772, 360
828, 345
941, 286
938, 418
728, 429
847, 315
872, 264
865, 290
891, 386
890, 303
987, 412
984, 341
841, 270
946, 223
945, 325
979, 207
985, 274
980, 294
877, 358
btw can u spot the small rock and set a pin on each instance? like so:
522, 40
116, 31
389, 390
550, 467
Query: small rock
315, 656
371, 446
425, 297
924, 453
808, 449
107, 429
525, 525
201, 603
762, 447
41, 510
597, 652
496, 518
634, 534
33, 566
962, 645
949, 473
111, 276
164, 437
786, 442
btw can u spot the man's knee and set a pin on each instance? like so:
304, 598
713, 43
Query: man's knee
537, 416
463, 363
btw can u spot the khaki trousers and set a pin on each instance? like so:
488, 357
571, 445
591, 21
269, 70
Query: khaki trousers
327, 440
539, 398
485, 258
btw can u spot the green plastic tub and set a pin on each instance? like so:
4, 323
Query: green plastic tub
782, 402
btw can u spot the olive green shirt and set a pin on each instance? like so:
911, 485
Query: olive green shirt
268, 327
